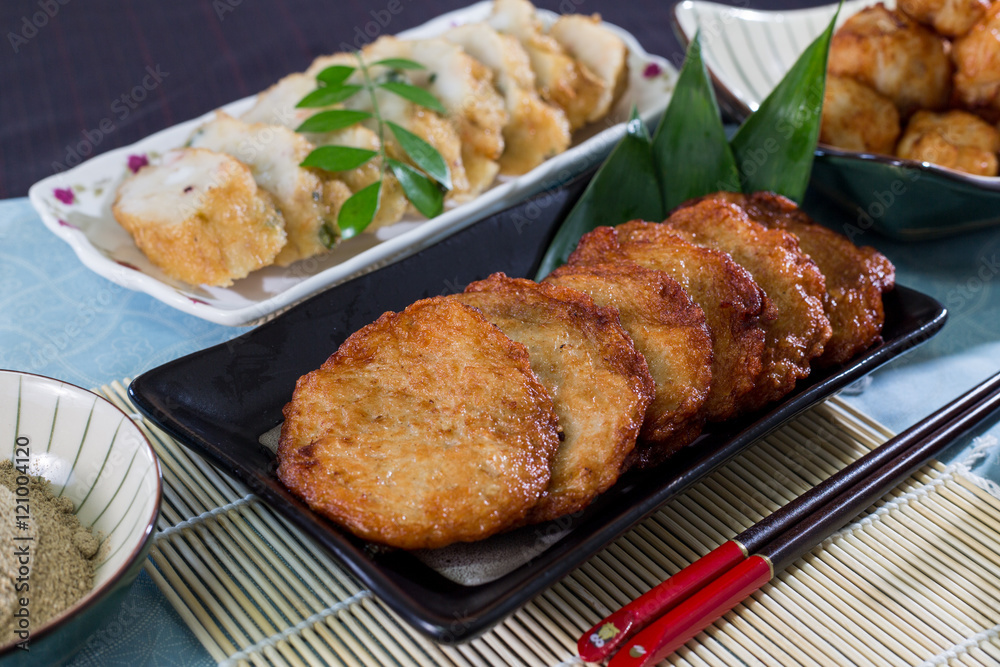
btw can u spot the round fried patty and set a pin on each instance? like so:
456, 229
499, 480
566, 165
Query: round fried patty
426, 427
856, 276
734, 305
600, 384
669, 330
787, 275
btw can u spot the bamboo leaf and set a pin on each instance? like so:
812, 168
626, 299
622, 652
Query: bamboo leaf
774, 147
423, 193
399, 63
332, 120
624, 188
690, 149
338, 158
359, 210
328, 96
423, 154
414, 94
335, 75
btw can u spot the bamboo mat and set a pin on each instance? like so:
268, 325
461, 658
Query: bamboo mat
913, 582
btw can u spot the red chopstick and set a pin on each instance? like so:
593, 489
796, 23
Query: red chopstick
690, 617
788, 532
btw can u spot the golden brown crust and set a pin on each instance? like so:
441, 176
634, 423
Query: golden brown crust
669, 330
858, 118
201, 233
732, 302
856, 276
899, 58
600, 384
787, 275
426, 427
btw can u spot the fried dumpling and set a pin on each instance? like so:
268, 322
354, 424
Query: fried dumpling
309, 199
560, 78
535, 130
200, 217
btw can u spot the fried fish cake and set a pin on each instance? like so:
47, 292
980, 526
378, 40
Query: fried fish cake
787, 275
669, 330
733, 303
424, 428
200, 217
856, 277
600, 384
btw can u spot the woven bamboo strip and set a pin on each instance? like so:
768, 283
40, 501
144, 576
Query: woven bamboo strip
245, 580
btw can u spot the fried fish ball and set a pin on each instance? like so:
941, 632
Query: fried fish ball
896, 56
787, 275
669, 330
424, 428
200, 217
734, 305
561, 79
535, 130
856, 277
857, 118
309, 199
951, 18
977, 66
600, 385
955, 139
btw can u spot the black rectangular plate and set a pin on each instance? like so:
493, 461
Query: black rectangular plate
220, 400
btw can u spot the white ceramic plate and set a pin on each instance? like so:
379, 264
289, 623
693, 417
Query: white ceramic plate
89, 227
748, 51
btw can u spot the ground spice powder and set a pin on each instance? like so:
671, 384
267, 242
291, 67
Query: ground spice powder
61, 554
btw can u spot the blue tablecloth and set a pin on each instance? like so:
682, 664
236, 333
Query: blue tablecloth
59, 319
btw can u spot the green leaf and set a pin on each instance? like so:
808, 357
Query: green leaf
690, 149
359, 210
398, 63
414, 94
328, 235
423, 193
624, 188
774, 147
423, 154
328, 96
332, 120
335, 74
338, 158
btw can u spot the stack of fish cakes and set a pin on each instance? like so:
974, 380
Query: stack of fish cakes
517, 402
512, 93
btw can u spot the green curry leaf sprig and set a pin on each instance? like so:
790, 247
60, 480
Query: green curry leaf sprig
424, 182
689, 156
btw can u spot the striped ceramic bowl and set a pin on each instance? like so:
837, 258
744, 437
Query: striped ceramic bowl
748, 51
94, 454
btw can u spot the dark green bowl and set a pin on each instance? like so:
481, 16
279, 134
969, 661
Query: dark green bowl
904, 199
